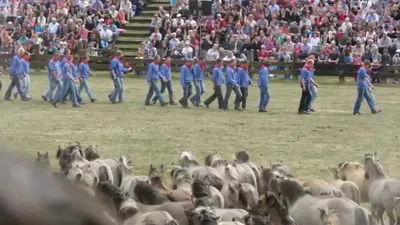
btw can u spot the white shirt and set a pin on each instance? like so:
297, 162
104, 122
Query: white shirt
227, 58
106, 34
127, 6
212, 54
314, 41
53, 27
41, 20
187, 51
153, 36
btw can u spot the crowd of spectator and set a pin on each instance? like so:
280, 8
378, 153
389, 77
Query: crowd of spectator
47, 26
348, 31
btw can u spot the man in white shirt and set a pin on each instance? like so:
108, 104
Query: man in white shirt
156, 36
187, 51
178, 20
53, 26
213, 53
126, 6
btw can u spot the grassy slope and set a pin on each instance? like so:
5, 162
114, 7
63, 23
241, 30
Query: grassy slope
308, 144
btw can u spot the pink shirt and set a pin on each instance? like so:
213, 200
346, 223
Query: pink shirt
83, 33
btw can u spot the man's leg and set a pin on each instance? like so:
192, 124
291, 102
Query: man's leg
227, 96
218, 91
121, 90
149, 94
7, 95
238, 98
170, 93
116, 90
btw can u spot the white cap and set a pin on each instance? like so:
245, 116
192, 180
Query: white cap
179, 15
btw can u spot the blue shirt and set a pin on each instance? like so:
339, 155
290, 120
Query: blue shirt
166, 71
67, 71
84, 70
306, 75
62, 62
361, 75
230, 76
153, 72
198, 72
242, 77
217, 76
54, 66
25, 66
263, 77
118, 68
75, 71
16, 68
186, 75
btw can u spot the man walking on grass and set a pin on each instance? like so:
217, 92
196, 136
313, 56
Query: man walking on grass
153, 75
186, 82
305, 81
232, 85
263, 85
198, 77
54, 76
25, 80
165, 71
117, 71
16, 74
84, 72
218, 80
68, 85
364, 90
244, 81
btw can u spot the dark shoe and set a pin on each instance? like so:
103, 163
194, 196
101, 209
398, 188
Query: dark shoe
148, 104
238, 109
93, 100
377, 111
44, 98
76, 106
356, 113
172, 103
262, 110
193, 102
181, 102
15, 95
311, 110
7, 99
54, 103
109, 98
304, 112
154, 101
207, 105
164, 104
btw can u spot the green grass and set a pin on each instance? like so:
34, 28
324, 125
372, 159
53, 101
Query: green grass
308, 144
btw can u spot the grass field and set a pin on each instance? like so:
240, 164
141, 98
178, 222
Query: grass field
309, 144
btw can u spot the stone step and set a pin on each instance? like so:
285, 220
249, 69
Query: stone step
130, 39
135, 33
154, 6
142, 19
161, 1
149, 13
129, 53
128, 47
137, 26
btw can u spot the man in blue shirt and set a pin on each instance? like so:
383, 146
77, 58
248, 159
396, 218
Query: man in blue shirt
364, 90
117, 71
244, 81
218, 80
198, 77
84, 72
186, 82
263, 84
16, 74
232, 85
305, 81
165, 71
25, 80
153, 75
69, 88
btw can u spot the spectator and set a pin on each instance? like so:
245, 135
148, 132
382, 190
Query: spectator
213, 53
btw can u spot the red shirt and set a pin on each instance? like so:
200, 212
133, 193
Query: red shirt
263, 55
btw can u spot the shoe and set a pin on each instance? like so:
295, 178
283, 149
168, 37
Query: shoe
207, 105
154, 102
173, 103
164, 104
7, 99
109, 97
377, 111
304, 112
262, 110
44, 98
54, 103
181, 102
148, 104
76, 106
311, 110
93, 100
238, 109
356, 113
15, 95
193, 102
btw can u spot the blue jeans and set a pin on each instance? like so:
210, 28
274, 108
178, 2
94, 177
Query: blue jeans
314, 95
199, 86
118, 89
85, 85
264, 97
53, 85
69, 88
187, 92
78, 96
153, 88
364, 92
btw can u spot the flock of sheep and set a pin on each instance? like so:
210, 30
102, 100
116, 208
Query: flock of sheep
222, 192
